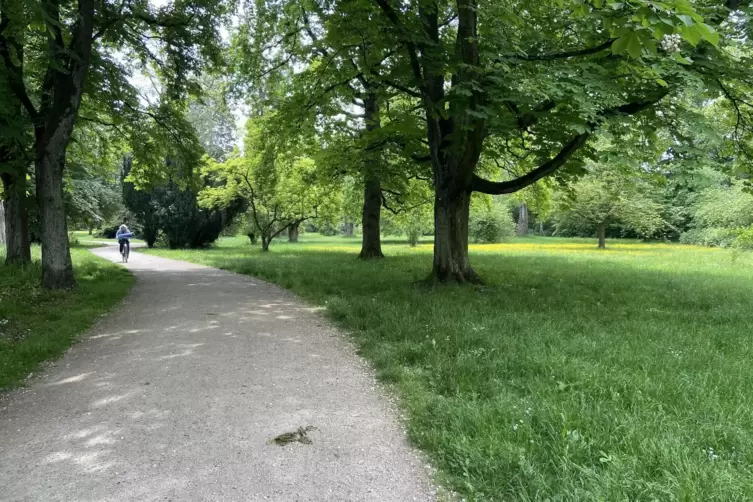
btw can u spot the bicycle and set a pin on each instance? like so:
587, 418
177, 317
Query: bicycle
126, 251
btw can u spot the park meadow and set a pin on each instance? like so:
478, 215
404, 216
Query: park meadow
573, 374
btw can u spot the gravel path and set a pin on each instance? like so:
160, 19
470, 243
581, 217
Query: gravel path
177, 394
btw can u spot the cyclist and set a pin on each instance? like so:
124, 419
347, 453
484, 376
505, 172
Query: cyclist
123, 235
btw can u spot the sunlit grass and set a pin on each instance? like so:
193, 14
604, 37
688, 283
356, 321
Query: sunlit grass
573, 375
38, 325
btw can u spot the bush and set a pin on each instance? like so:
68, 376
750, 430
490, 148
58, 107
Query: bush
108, 232
414, 230
489, 225
744, 240
712, 237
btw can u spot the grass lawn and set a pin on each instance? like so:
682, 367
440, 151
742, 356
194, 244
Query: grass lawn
574, 375
38, 325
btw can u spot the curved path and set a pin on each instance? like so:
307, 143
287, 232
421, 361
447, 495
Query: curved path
177, 394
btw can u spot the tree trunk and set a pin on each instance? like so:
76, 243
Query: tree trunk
293, 232
348, 229
523, 220
2, 223
265, 241
371, 244
57, 268
91, 230
18, 251
602, 240
451, 263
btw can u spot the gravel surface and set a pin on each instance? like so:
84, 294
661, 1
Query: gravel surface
177, 395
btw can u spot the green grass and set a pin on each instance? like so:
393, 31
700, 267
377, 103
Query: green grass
38, 325
574, 375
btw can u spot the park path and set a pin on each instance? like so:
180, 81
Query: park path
176, 394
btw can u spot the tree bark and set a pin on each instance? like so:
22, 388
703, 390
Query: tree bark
265, 241
57, 268
602, 239
18, 251
451, 263
371, 244
293, 232
523, 220
2, 223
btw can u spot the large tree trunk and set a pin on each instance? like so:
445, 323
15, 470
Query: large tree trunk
371, 245
18, 251
451, 263
293, 232
2, 223
602, 239
523, 220
57, 268
65, 88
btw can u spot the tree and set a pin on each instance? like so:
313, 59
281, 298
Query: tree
602, 199
171, 209
74, 45
139, 204
490, 220
210, 117
720, 214
13, 173
336, 83
544, 78
92, 193
15, 154
277, 180
409, 210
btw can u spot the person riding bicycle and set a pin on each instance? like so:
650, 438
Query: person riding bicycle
123, 235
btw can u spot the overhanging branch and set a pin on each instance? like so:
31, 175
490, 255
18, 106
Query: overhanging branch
482, 185
498, 188
15, 72
560, 55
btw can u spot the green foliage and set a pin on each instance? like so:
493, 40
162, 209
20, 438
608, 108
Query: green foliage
744, 239
711, 236
409, 211
725, 207
139, 205
490, 222
183, 223
212, 119
608, 198
721, 215
172, 210
38, 325
413, 222
278, 181
573, 375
